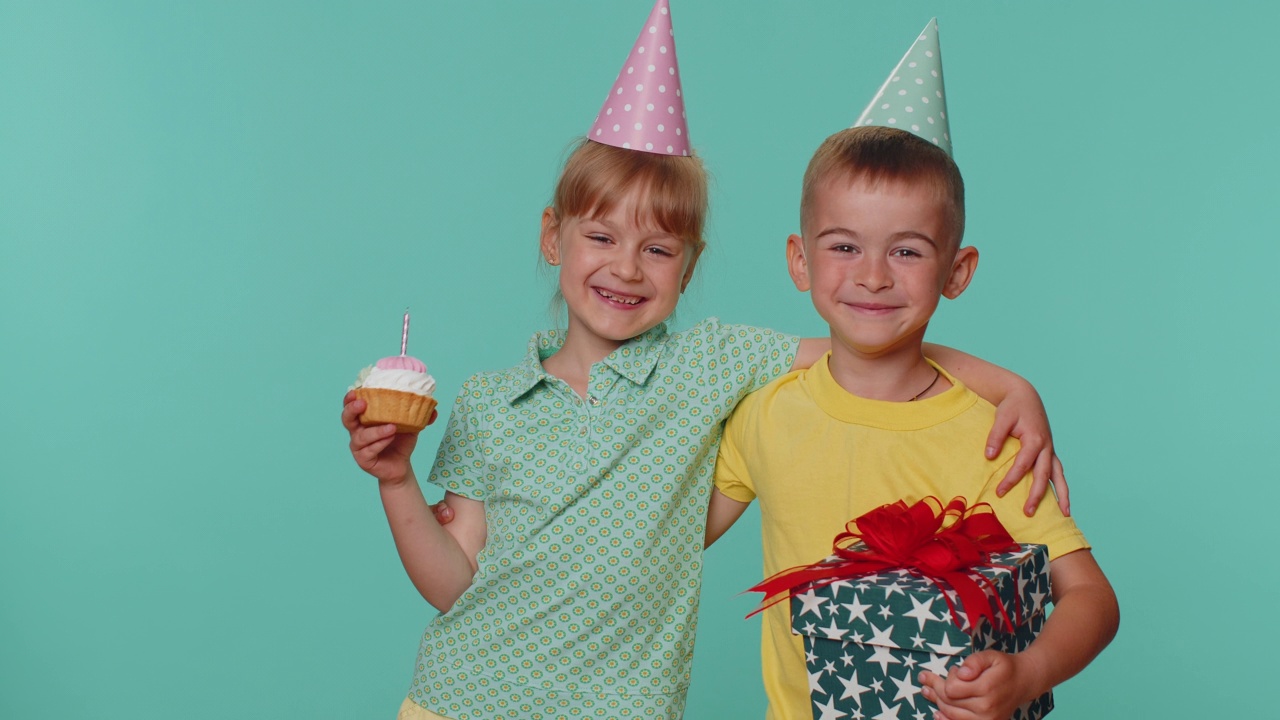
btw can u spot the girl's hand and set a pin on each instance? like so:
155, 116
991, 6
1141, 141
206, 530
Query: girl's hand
1022, 416
442, 511
379, 450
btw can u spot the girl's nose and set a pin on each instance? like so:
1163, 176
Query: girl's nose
627, 267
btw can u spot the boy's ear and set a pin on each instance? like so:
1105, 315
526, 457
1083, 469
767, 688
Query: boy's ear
962, 270
549, 238
797, 263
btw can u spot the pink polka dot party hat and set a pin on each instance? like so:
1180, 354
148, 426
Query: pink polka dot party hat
913, 97
645, 106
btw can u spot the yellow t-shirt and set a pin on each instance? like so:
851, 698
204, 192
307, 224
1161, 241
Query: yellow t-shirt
818, 456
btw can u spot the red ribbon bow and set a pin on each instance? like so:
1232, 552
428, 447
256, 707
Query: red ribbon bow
939, 543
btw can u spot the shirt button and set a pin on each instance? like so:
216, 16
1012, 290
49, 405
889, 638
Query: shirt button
592, 399
583, 432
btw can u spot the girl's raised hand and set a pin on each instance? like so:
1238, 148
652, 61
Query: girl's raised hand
378, 449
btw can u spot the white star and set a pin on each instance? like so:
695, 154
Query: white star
834, 632
835, 586
857, 714
814, 687
829, 711
848, 660
881, 637
937, 664
884, 656
920, 715
921, 611
809, 629
917, 641
812, 603
856, 637
910, 661
831, 608
890, 713
907, 690
1037, 600
852, 689
945, 647
892, 588
809, 657
830, 667
857, 609
877, 685
885, 612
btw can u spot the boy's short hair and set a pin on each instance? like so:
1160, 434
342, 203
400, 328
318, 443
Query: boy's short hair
596, 177
882, 154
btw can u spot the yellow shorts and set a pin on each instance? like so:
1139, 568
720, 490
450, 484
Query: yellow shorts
410, 710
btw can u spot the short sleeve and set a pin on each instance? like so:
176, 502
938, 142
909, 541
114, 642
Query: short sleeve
733, 473
1047, 527
743, 357
462, 465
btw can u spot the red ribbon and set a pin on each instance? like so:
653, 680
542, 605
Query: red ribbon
939, 543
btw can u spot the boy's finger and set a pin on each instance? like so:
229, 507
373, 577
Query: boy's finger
1060, 487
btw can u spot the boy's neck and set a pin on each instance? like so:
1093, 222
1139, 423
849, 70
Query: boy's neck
899, 374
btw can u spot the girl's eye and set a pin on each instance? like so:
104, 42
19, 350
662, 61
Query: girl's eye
599, 238
659, 250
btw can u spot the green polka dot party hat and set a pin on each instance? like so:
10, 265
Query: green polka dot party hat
913, 97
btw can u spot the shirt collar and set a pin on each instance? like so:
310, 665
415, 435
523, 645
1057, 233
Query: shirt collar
635, 360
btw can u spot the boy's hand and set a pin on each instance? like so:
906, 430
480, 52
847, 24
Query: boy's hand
378, 449
988, 685
1022, 416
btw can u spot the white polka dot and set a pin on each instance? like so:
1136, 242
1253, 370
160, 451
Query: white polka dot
902, 92
678, 131
912, 64
910, 109
648, 146
616, 128
942, 115
930, 119
896, 78
662, 128
652, 29
915, 128
664, 11
639, 126
884, 106
933, 73
868, 121
640, 50
935, 141
663, 49
671, 70
630, 70
662, 88
671, 109
947, 136
649, 107
919, 81
938, 93
609, 111
928, 53
893, 121
682, 114
677, 92
640, 88
626, 145
619, 91
670, 149
627, 107
598, 131
652, 68
924, 100
684, 152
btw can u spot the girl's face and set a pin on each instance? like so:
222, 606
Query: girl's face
618, 278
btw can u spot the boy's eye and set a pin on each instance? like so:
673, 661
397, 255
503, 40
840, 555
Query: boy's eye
844, 248
907, 252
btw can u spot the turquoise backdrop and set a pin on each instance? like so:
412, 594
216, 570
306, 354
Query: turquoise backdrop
213, 213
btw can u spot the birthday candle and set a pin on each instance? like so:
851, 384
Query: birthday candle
404, 334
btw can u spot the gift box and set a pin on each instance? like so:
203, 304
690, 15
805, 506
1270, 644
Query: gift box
867, 638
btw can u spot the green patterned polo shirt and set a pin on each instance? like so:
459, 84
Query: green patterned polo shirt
586, 598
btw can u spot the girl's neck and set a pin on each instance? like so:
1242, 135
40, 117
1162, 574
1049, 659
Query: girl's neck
896, 375
572, 362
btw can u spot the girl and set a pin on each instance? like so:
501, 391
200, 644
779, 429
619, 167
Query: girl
568, 578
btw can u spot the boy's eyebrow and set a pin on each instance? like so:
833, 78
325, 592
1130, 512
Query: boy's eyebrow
903, 235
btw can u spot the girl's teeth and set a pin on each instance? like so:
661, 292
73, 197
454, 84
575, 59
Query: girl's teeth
615, 298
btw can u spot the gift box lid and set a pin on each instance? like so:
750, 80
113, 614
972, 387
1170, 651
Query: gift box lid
905, 610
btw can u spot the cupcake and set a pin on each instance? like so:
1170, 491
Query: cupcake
398, 390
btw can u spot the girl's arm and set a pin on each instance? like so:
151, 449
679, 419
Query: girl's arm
1019, 414
440, 561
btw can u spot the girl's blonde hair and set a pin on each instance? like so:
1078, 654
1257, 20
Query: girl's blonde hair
597, 177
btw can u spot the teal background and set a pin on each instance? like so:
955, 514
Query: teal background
213, 214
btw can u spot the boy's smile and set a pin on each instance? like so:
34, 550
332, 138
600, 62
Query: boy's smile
875, 259
618, 278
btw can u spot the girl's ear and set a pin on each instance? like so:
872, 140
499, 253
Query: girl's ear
962, 270
549, 238
688, 271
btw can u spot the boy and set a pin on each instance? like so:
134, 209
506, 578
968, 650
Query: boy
882, 217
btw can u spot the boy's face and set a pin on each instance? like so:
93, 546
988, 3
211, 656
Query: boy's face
875, 260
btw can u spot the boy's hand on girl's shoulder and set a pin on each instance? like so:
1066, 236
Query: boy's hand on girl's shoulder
378, 449
988, 685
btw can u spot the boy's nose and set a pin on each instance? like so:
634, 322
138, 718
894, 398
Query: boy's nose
873, 274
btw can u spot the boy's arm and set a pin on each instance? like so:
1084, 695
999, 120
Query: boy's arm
992, 684
1019, 414
722, 512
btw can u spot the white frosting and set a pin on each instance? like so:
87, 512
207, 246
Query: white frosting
402, 380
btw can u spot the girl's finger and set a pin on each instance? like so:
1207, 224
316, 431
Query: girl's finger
1021, 464
369, 454
351, 410
1039, 482
1000, 430
365, 436
1060, 489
